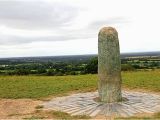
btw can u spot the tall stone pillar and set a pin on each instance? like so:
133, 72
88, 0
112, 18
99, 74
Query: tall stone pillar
109, 66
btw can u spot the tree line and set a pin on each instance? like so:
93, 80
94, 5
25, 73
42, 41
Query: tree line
89, 66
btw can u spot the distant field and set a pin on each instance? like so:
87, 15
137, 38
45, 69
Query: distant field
44, 86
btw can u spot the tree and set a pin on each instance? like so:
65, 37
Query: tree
50, 72
92, 66
127, 67
41, 70
22, 72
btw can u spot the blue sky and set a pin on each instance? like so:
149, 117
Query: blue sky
70, 27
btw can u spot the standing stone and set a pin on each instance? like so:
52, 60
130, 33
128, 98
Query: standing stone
109, 66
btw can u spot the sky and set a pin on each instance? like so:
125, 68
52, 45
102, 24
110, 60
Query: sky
70, 27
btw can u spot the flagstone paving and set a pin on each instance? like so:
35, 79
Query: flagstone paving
85, 104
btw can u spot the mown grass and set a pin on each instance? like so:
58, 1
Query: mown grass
44, 86
147, 80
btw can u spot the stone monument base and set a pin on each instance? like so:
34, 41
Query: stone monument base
85, 104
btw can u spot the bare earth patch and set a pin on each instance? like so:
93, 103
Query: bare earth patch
17, 108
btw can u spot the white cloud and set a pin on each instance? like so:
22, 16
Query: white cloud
58, 27
36, 14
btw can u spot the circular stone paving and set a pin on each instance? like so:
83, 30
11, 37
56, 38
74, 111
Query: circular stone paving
84, 104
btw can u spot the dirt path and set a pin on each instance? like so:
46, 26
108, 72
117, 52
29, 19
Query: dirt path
17, 108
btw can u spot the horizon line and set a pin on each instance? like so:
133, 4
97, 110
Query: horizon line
75, 55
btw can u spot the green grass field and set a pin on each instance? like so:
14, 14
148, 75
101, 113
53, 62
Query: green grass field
45, 86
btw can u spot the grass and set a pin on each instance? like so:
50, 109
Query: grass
62, 115
147, 80
44, 86
39, 107
156, 116
56, 115
34, 118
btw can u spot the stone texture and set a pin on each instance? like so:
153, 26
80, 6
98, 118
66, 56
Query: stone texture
109, 65
84, 104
